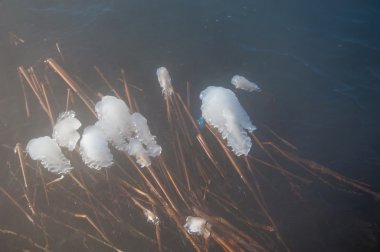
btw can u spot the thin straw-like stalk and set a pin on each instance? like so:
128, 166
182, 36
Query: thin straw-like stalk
27, 110
59, 51
101, 75
126, 89
71, 83
171, 179
50, 113
25, 238
17, 205
36, 92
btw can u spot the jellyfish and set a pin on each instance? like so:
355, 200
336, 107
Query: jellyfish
242, 83
136, 149
151, 217
222, 110
65, 131
115, 121
142, 133
94, 148
165, 81
46, 150
198, 226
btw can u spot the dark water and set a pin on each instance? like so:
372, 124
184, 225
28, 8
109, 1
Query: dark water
318, 63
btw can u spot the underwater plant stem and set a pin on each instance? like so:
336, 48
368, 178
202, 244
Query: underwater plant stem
71, 83
101, 75
126, 89
36, 92
27, 110
50, 113
167, 171
17, 205
25, 238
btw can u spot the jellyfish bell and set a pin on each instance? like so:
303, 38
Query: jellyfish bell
65, 131
222, 110
46, 150
142, 133
94, 148
197, 226
136, 149
115, 120
165, 81
241, 82
236, 136
151, 217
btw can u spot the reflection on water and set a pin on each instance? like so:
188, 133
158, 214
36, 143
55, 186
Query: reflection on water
317, 63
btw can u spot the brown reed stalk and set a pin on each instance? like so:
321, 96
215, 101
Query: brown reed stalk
36, 92
101, 75
25, 238
171, 179
27, 110
71, 83
126, 89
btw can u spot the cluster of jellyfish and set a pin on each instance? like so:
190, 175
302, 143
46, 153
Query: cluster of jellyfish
130, 134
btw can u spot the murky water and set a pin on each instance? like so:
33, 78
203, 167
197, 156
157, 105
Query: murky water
318, 63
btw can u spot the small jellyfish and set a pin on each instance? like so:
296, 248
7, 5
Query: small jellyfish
142, 133
151, 217
198, 226
222, 110
136, 149
46, 150
94, 148
65, 131
165, 81
242, 83
115, 120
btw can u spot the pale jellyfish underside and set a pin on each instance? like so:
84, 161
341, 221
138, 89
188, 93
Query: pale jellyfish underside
126, 132
94, 148
46, 150
115, 120
165, 81
198, 226
65, 130
222, 110
242, 83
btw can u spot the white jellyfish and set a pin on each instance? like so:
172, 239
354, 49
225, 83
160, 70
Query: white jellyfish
221, 109
46, 150
94, 148
65, 130
142, 133
165, 81
197, 226
136, 149
115, 121
151, 217
125, 131
242, 83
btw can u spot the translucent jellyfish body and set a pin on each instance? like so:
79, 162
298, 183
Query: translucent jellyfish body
221, 109
136, 149
115, 121
65, 131
46, 150
165, 81
242, 83
198, 226
94, 148
142, 133
125, 131
151, 217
